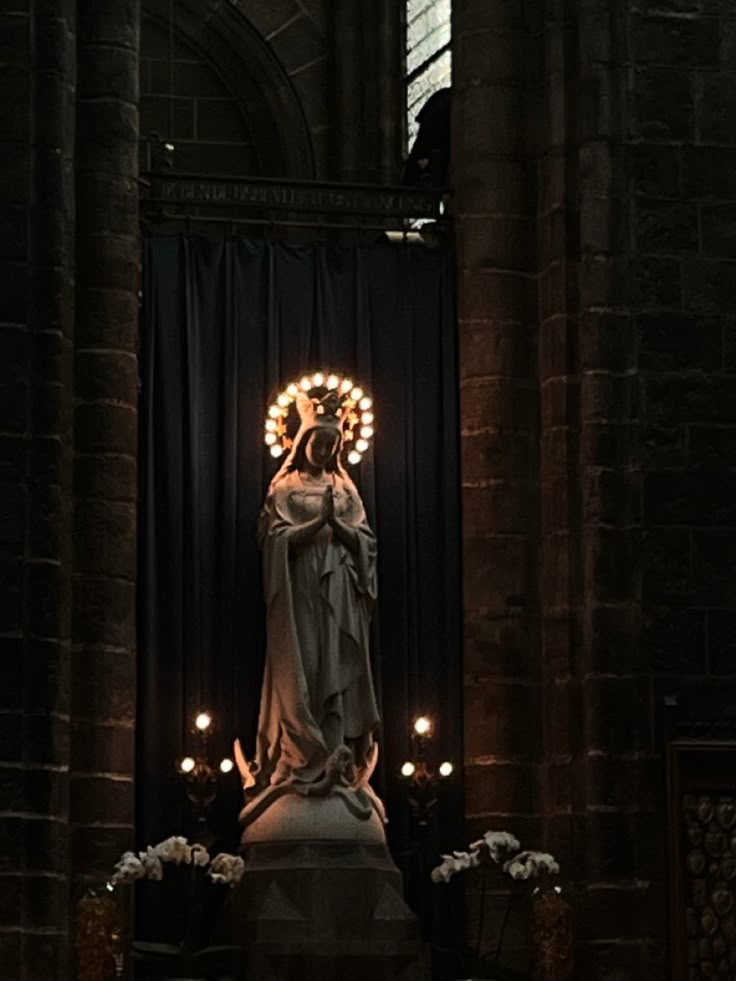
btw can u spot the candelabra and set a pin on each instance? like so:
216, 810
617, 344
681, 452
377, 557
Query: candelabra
422, 779
200, 775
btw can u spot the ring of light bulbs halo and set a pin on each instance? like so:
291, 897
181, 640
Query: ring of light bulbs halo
356, 406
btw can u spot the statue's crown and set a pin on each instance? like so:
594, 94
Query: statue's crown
325, 412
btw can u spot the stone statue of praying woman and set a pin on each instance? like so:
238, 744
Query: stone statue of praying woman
318, 711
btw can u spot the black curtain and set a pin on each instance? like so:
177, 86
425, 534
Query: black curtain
226, 324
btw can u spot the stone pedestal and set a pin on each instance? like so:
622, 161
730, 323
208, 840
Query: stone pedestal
321, 897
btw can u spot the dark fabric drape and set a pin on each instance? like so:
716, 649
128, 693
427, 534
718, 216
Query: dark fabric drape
226, 324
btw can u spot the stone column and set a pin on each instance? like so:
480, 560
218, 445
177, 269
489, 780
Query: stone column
36, 260
106, 379
493, 206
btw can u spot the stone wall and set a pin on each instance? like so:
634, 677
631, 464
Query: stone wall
36, 271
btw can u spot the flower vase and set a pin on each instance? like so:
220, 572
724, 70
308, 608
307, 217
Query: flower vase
552, 935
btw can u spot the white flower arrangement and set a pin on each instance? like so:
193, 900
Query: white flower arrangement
223, 869
499, 845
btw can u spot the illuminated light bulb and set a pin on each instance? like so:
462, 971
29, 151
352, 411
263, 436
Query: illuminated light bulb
274, 411
305, 384
367, 418
422, 726
283, 400
332, 381
271, 438
187, 764
276, 450
408, 769
361, 445
271, 425
292, 390
366, 403
346, 386
203, 721
319, 379
356, 394
226, 765
354, 457
446, 769
109, 886
366, 431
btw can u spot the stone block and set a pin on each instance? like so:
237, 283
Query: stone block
12, 650
615, 714
46, 844
50, 527
497, 241
106, 429
11, 963
44, 901
11, 586
108, 318
156, 114
99, 800
493, 710
709, 172
709, 286
496, 452
109, 72
495, 574
500, 789
611, 497
721, 642
656, 170
497, 403
46, 744
103, 748
107, 142
675, 41
46, 664
656, 282
716, 108
106, 374
116, 25
674, 400
607, 341
562, 722
694, 499
714, 569
105, 538
664, 105
718, 230
552, 291
191, 79
13, 233
494, 647
12, 514
488, 349
499, 509
679, 342
491, 115
613, 636
108, 260
238, 159
104, 681
608, 443
10, 903
673, 640
112, 477
96, 848
712, 448
609, 398
666, 565
666, 227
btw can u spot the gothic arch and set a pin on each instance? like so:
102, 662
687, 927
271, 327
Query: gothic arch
252, 73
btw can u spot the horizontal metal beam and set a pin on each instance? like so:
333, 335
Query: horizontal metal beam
311, 197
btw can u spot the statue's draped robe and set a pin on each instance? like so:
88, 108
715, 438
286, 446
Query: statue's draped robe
317, 689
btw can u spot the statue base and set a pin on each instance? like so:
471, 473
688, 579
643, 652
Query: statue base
321, 896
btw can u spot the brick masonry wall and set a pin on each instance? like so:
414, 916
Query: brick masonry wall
683, 190
183, 99
36, 261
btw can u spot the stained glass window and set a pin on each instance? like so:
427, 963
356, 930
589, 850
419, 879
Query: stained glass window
428, 58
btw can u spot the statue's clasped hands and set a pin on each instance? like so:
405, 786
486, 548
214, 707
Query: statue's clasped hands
327, 511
